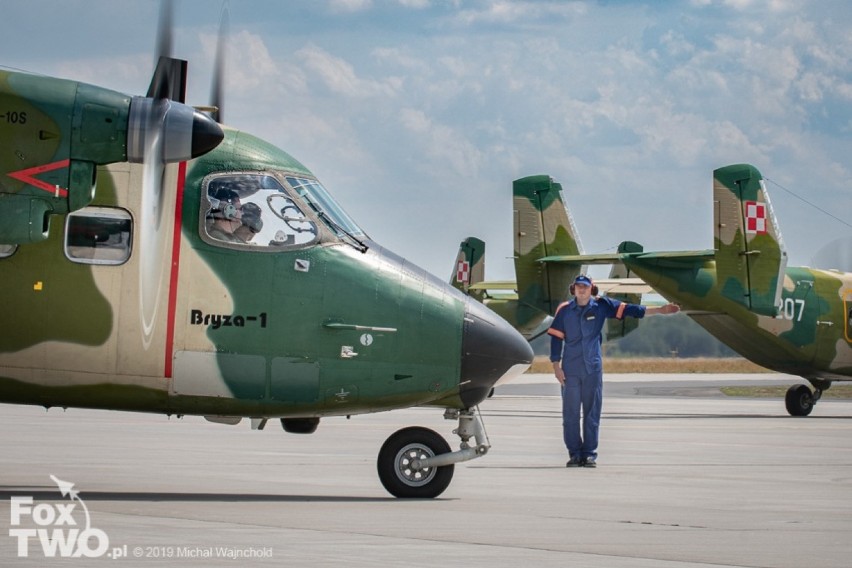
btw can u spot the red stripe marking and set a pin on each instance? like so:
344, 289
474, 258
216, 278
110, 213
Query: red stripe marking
26, 176
620, 311
562, 305
556, 333
173, 278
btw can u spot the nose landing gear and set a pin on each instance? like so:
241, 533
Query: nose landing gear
416, 463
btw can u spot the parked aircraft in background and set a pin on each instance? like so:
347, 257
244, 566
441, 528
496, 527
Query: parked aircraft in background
542, 227
795, 320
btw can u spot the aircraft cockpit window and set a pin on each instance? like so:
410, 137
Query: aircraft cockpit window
7, 250
326, 207
98, 235
254, 210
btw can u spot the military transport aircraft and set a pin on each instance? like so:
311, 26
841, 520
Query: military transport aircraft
543, 227
156, 261
795, 320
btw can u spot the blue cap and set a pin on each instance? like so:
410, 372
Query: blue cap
583, 279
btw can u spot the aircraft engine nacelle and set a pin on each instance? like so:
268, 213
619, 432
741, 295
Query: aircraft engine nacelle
54, 133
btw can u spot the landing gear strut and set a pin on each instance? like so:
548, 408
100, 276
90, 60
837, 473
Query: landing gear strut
416, 463
800, 400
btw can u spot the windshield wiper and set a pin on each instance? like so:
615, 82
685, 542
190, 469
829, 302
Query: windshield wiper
355, 242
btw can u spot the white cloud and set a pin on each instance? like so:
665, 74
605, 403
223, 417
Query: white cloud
415, 4
771, 5
129, 74
810, 87
349, 6
249, 65
677, 44
398, 57
519, 12
339, 75
445, 148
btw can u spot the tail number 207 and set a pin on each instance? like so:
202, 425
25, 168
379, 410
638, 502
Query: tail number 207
791, 309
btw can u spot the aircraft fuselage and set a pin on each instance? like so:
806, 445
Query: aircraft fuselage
810, 336
292, 319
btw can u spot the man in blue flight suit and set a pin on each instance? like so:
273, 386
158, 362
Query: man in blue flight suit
575, 351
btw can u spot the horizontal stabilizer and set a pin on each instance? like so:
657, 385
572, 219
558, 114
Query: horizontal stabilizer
616, 258
623, 286
509, 285
687, 255
581, 259
607, 286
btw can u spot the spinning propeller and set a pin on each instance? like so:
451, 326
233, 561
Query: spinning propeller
163, 130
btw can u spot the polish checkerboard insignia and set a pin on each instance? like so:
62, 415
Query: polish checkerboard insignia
755, 218
463, 272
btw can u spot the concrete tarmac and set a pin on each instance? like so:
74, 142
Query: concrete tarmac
687, 478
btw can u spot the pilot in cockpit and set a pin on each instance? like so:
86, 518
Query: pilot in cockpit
251, 223
225, 216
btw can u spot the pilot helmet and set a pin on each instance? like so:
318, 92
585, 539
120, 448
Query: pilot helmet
251, 217
223, 203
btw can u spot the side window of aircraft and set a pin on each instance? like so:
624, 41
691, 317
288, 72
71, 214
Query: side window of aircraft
99, 235
253, 210
7, 250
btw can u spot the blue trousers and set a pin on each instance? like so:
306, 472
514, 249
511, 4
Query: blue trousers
582, 392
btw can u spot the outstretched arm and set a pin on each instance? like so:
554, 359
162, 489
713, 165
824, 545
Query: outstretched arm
662, 310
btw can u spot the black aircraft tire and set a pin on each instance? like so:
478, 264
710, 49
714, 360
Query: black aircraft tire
799, 400
395, 457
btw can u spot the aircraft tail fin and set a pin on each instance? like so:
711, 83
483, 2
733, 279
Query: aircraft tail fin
750, 254
543, 227
470, 264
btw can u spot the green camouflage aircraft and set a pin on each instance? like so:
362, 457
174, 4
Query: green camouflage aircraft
795, 320
543, 227
156, 261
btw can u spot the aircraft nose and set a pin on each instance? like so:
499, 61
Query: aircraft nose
492, 352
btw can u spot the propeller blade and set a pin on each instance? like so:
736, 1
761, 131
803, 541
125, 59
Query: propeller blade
169, 80
152, 233
217, 88
164, 30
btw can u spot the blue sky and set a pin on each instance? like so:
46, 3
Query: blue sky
418, 114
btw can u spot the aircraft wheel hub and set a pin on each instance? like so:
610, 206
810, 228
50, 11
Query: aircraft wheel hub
408, 465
